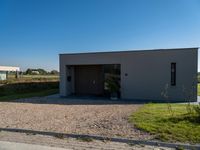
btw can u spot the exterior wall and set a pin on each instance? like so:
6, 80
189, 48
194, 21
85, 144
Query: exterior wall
3, 75
8, 68
148, 72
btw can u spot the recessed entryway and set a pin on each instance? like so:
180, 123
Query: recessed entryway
89, 80
96, 80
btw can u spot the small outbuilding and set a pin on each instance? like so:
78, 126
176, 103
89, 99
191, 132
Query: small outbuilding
5, 69
151, 75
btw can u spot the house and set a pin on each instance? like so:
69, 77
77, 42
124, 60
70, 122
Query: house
35, 72
151, 75
5, 69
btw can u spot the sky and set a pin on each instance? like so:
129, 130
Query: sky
34, 32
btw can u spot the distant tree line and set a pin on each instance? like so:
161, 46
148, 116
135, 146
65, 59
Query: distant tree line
40, 71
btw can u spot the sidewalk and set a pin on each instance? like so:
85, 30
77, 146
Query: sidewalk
21, 146
66, 143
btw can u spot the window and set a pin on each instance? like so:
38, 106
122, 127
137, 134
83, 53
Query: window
112, 77
173, 74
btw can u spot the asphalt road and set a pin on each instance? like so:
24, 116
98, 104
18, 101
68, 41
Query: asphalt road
21, 146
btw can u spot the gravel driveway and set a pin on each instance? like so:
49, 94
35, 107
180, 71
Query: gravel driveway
74, 116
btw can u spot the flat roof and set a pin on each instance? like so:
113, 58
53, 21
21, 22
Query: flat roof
125, 51
9, 68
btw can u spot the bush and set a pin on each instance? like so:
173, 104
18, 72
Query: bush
112, 85
197, 110
20, 88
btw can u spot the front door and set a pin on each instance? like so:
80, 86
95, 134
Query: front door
89, 80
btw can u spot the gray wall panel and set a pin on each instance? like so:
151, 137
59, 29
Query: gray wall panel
148, 72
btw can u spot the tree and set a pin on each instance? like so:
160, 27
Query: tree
41, 71
54, 72
29, 71
36, 71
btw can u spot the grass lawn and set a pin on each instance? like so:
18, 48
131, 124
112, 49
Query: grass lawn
30, 78
29, 94
28, 86
159, 121
198, 89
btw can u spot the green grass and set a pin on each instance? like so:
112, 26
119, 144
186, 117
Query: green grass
28, 86
30, 78
198, 89
157, 120
28, 95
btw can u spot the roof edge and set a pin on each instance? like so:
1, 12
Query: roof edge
123, 51
9, 68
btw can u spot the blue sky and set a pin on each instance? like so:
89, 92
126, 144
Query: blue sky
34, 32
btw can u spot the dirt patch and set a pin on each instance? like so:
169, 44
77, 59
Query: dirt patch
95, 119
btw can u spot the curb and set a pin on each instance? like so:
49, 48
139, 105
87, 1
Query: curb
102, 138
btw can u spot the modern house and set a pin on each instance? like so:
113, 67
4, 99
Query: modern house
5, 69
151, 75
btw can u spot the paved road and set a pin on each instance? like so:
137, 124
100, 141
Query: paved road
22, 146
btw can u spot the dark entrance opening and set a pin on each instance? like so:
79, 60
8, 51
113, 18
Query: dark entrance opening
95, 80
89, 80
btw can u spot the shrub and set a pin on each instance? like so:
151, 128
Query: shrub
112, 85
26, 87
197, 110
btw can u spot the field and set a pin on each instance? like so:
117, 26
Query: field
175, 125
31, 78
28, 86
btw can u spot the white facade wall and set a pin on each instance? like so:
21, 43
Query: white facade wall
148, 72
8, 68
3, 75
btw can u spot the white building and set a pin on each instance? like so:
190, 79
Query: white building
142, 75
5, 69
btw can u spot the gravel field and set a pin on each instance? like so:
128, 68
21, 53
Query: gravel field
72, 117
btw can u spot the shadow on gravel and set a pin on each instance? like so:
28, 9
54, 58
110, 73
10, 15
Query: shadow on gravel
77, 101
101, 138
83, 100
